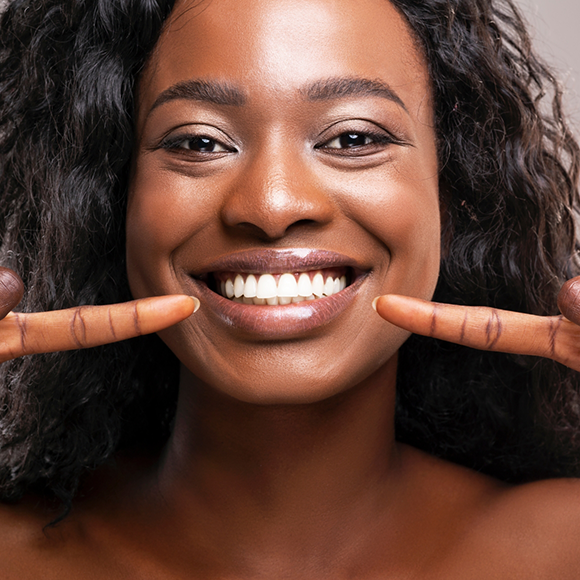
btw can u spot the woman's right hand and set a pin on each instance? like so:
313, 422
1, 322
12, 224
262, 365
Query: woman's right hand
83, 326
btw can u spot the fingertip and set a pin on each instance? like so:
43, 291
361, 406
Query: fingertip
383, 302
182, 304
569, 300
11, 290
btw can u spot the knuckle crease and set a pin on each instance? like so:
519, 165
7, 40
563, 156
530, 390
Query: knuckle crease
21, 321
554, 329
111, 325
136, 320
493, 329
463, 327
78, 328
433, 320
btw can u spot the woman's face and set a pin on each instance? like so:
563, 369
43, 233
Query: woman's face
284, 137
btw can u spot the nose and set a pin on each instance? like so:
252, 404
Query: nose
275, 193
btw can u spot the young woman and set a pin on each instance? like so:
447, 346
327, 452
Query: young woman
285, 162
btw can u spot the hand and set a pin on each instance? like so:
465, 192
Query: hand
555, 337
84, 326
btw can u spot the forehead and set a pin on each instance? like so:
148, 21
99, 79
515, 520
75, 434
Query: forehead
276, 47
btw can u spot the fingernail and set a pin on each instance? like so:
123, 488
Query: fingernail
197, 303
375, 303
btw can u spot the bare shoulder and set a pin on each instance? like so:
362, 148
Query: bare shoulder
23, 537
82, 545
530, 531
506, 531
551, 502
544, 515
448, 483
32, 548
22, 523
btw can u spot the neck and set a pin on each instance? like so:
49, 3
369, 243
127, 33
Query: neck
262, 474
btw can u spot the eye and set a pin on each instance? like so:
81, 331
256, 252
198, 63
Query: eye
197, 143
356, 143
349, 141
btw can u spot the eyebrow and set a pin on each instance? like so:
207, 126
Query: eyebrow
336, 88
223, 93
215, 92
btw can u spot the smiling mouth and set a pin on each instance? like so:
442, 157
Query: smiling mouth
279, 294
279, 289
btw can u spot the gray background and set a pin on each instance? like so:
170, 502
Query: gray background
555, 26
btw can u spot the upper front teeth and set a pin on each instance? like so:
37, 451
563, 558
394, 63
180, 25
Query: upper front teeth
266, 290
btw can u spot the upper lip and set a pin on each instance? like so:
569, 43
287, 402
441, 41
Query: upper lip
278, 261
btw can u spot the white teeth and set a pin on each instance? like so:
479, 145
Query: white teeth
261, 290
318, 285
328, 287
238, 286
251, 287
287, 286
229, 288
304, 285
267, 287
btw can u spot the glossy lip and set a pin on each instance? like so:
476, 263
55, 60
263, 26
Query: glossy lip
279, 322
278, 262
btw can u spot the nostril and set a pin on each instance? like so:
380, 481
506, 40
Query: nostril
253, 230
272, 234
304, 222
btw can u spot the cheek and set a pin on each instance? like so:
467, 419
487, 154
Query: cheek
413, 236
401, 210
161, 216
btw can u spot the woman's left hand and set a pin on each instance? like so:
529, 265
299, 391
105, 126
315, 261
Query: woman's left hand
555, 337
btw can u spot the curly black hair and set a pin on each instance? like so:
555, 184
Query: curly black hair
509, 171
508, 178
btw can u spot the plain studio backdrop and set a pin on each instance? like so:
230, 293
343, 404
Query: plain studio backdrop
555, 30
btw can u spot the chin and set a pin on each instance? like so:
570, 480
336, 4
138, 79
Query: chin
290, 374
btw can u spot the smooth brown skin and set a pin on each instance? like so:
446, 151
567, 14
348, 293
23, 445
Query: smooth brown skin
283, 462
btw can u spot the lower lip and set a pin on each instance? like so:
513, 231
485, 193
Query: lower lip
272, 322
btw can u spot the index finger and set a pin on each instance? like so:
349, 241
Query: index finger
485, 328
88, 326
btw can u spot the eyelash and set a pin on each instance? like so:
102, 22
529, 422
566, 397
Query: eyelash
372, 141
176, 142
